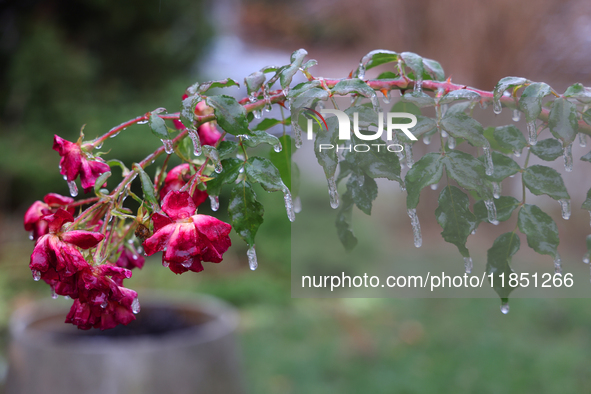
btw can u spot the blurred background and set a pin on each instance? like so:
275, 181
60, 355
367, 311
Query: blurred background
64, 64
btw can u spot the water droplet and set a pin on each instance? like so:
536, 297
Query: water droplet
165, 264
434, 186
488, 164
386, 98
496, 190
99, 146
532, 132
516, 115
277, 147
31, 235
215, 203
468, 264
416, 227
288, 204
402, 187
104, 304
187, 263
196, 142
333, 193
505, 308
587, 258
408, 153
135, 306
73, 188
557, 264
516, 153
418, 87
497, 107
116, 134
427, 139
568, 158
483, 104
492, 211
297, 205
565, 207
142, 121
241, 169
451, 142
253, 97
444, 134
252, 258
257, 113
167, 146
53, 293
36, 275
473, 231
375, 103
582, 140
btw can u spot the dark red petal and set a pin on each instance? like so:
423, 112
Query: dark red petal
178, 205
42, 257
34, 214
158, 241
57, 199
182, 244
91, 170
83, 239
61, 145
111, 270
208, 134
159, 220
57, 220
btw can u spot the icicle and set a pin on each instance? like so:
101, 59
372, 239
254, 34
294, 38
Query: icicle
489, 169
165, 264
277, 147
473, 231
557, 264
53, 293
297, 205
268, 106
297, 132
215, 158
416, 227
590, 220
253, 97
257, 113
402, 187
99, 146
568, 158
215, 202
497, 107
285, 91
143, 121
418, 87
532, 132
496, 190
168, 146
288, 204
451, 142
492, 211
565, 206
386, 98
36, 275
582, 140
516, 153
400, 154
31, 235
361, 73
408, 152
252, 258
375, 104
135, 306
505, 308
196, 142
73, 188
434, 186
516, 115
587, 258
444, 108
427, 139
468, 264
483, 104
333, 193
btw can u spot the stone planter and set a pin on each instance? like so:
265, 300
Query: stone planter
176, 346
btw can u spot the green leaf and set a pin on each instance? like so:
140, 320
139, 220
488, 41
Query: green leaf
100, 181
545, 180
158, 126
343, 222
231, 170
119, 163
460, 125
246, 213
387, 75
379, 57
468, 172
303, 87
506, 83
498, 262
425, 172
188, 110
461, 94
548, 149
454, 216
307, 99
258, 137
327, 158
147, 187
434, 69
539, 228
254, 81
459, 108
562, 121
530, 101
424, 125
587, 116
510, 137
420, 99
230, 115
226, 148
494, 144
579, 92
402, 106
266, 124
587, 203
505, 206
283, 161
223, 83
376, 164
503, 166
366, 116
354, 85
363, 191
286, 75
263, 172
414, 62
587, 157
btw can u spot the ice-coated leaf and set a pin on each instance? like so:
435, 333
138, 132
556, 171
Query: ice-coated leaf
587, 116
300, 88
530, 101
376, 164
353, 85
286, 75
579, 92
587, 203
254, 81
258, 137
413, 62
307, 99
100, 181
262, 171
327, 158
147, 187
460, 125
420, 99
510, 137
549, 149
188, 110
434, 69
494, 144
460, 94
282, 160
223, 83
455, 218
468, 172
230, 171
503, 166
343, 222
458, 108
425, 172
226, 148
505, 206
545, 180
506, 83
562, 120
246, 213
363, 191
366, 116
158, 126
266, 124
379, 57
539, 228
230, 115
498, 262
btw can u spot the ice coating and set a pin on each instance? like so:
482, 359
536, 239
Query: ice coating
492, 211
252, 258
333, 193
416, 227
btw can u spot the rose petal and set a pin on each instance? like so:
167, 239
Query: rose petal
82, 239
178, 205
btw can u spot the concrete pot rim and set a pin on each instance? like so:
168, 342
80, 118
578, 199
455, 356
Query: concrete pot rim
222, 320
